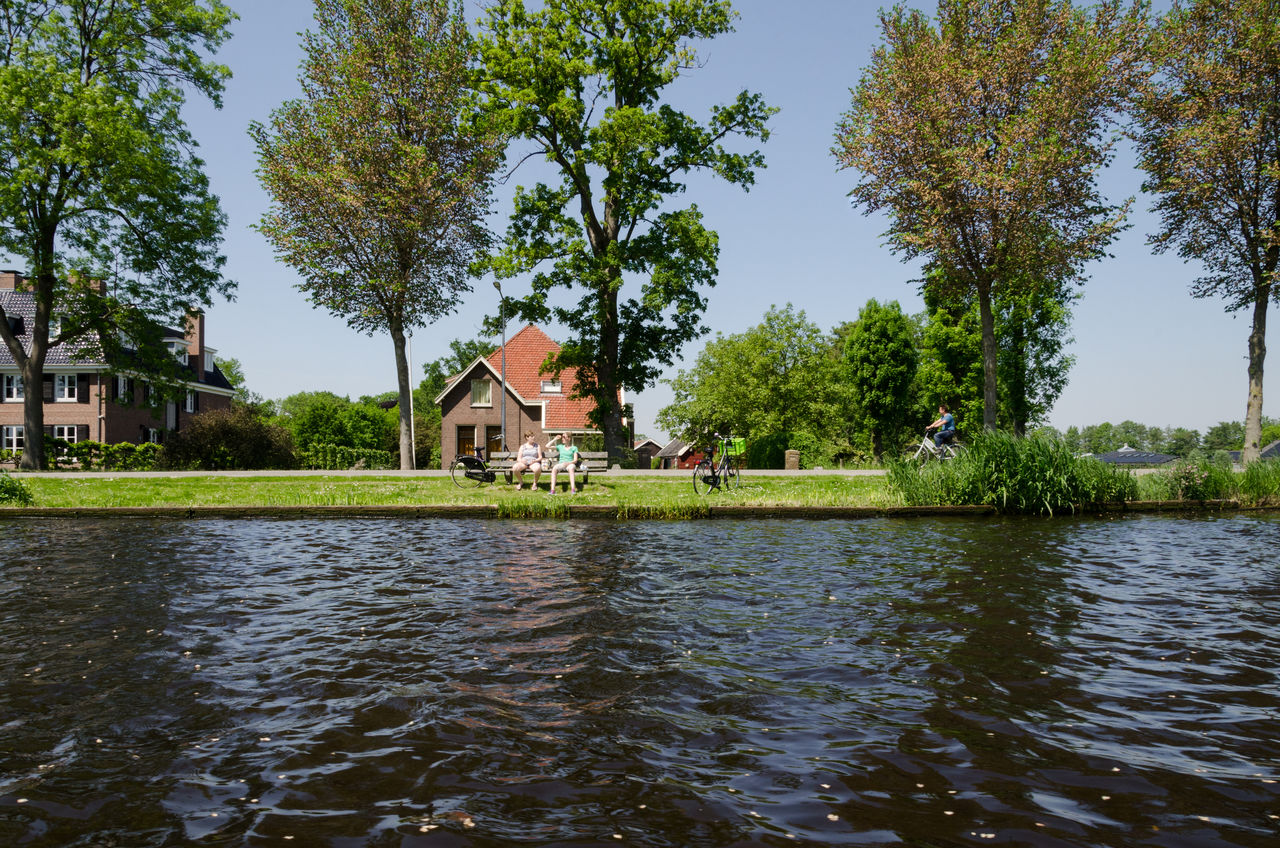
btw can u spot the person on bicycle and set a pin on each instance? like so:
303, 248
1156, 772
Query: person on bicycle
529, 458
945, 425
569, 457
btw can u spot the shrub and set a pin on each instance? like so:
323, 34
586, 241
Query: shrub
1204, 479
229, 439
14, 491
768, 451
1037, 475
340, 458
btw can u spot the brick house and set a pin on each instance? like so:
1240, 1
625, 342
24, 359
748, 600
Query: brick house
471, 403
86, 399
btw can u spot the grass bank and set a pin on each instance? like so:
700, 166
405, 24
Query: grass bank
629, 496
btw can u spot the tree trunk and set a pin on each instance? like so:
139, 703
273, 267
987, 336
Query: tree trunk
1257, 354
33, 458
406, 400
607, 402
990, 398
877, 444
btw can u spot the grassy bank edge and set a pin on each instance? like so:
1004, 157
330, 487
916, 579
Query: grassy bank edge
601, 512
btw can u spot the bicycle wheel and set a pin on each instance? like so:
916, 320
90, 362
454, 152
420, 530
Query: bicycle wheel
467, 472
705, 478
732, 474
951, 450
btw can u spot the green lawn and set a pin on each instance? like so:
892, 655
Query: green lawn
634, 495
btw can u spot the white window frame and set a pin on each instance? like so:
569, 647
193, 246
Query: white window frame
153, 435
189, 405
122, 386
13, 389
11, 438
65, 387
66, 432
487, 393
551, 387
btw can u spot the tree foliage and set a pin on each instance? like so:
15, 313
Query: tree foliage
324, 418
982, 138
1209, 140
777, 378
583, 83
882, 357
229, 439
98, 178
381, 173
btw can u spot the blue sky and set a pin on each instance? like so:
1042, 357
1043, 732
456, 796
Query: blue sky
1145, 349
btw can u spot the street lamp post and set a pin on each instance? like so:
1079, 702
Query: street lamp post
502, 318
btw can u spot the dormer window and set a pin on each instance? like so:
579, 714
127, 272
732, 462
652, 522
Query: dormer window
179, 350
551, 387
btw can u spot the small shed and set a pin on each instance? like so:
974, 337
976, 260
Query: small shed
1133, 457
678, 454
646, 451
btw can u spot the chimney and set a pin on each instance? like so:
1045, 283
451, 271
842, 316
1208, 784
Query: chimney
195, 338
10, 280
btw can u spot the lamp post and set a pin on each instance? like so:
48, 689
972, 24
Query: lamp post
502, 318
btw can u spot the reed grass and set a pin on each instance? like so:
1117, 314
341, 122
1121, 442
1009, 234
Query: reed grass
1036, 476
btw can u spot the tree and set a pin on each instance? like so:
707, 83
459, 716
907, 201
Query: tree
1224, 436
101, 194
234, 372
381, 173
582, 82
1209, 140
982, 139
775, 378
882, 356
324, 418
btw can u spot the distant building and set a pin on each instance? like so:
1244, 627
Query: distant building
1271, 451
1133, 457
646, 451
678, 454
89, 398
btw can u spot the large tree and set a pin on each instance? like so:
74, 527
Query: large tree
982, 138
1209, 139
777, 377
101, 195
882, 356
381, 173
582, 82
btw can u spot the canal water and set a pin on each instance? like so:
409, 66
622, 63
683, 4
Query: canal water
923, 682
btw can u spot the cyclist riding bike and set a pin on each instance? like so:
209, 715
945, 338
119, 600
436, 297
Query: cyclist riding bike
945, 425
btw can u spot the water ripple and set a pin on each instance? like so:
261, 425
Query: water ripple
1067, 682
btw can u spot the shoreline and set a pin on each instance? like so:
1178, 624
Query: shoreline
607, 512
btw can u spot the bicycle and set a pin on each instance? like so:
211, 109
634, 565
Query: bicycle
928, 451
468, 471
709, 474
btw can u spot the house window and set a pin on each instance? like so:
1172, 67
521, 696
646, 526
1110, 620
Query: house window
11, 438
153, 435
551, 387
481, 393
13, 387
179, 350
122, 387
66, 432
208, 361
64, 386
190, 405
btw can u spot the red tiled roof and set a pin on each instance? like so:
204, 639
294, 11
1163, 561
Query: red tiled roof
526, 351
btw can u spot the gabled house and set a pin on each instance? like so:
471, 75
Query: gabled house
471, 405
86, 397
1271, 451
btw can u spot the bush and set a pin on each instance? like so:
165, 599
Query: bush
235, 439
1037, 475
1205, 479
14, 491
340, 458
769, 451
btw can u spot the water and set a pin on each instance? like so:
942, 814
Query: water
453, 683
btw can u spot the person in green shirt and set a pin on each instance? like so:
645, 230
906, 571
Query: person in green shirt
569, 457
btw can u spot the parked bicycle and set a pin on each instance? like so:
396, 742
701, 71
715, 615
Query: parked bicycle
468, 471
928, 451
726, 472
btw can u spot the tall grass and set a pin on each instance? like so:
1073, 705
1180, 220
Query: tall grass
1208, 480
1037, 475
14, 491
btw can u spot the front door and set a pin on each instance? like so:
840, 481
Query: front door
466, 440
493, 438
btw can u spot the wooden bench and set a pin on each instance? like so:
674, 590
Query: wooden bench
593, 462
